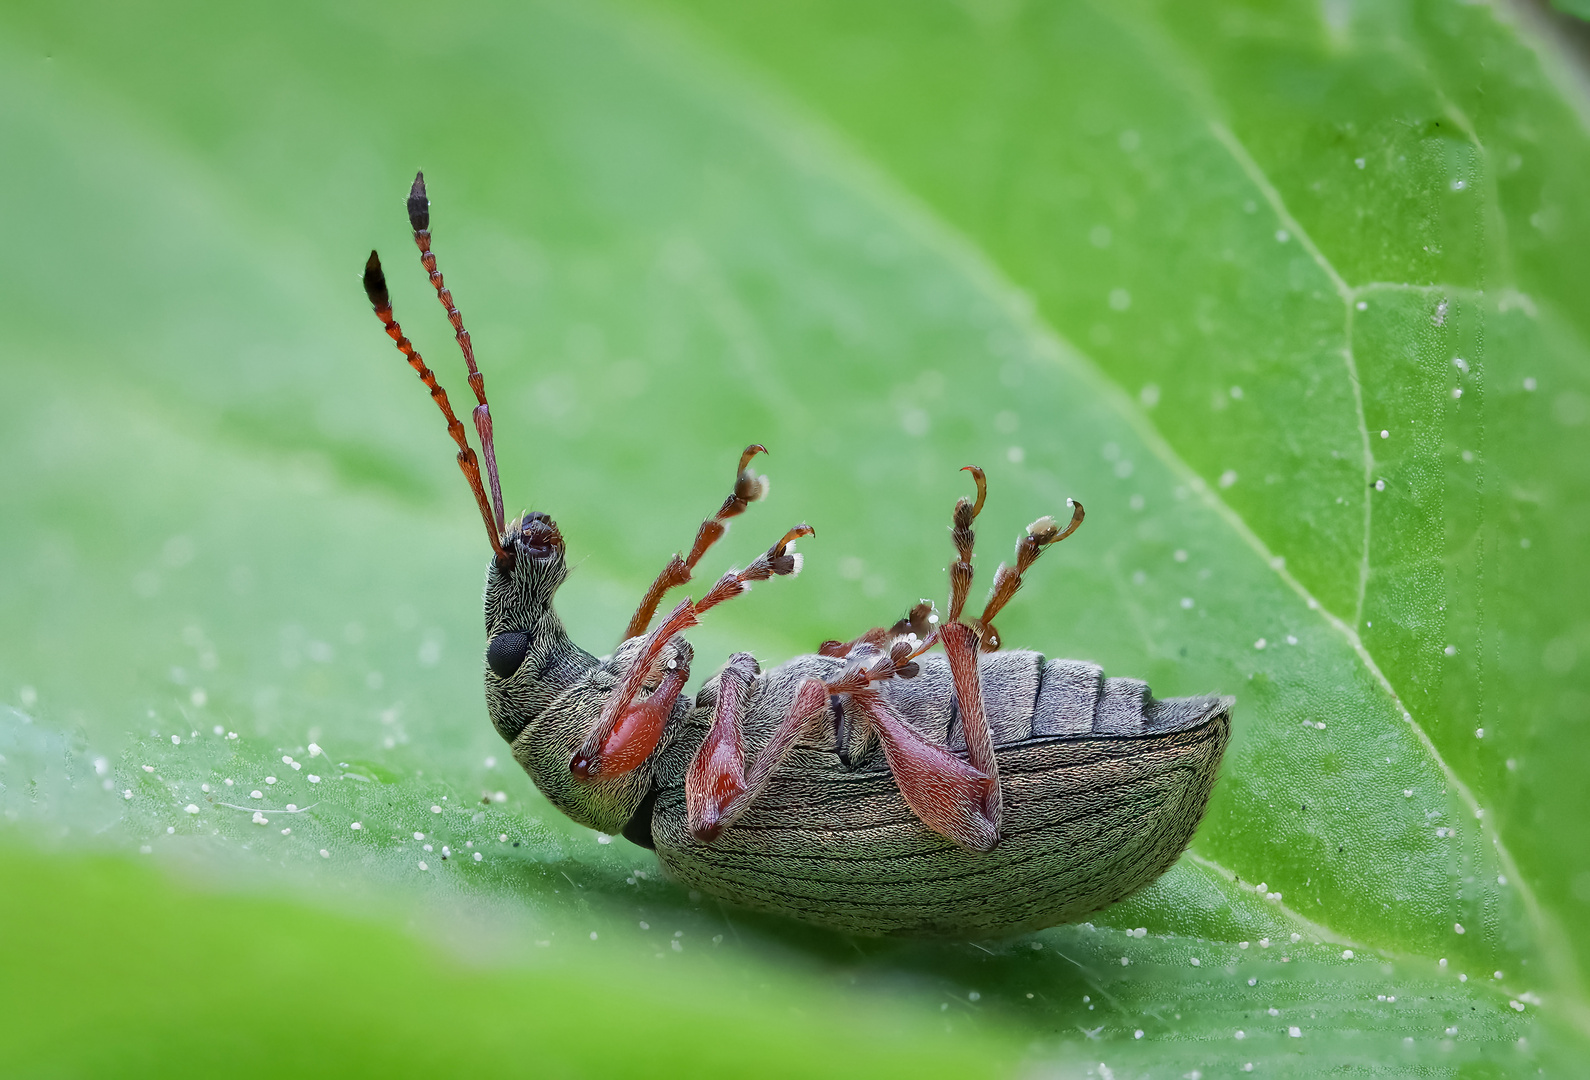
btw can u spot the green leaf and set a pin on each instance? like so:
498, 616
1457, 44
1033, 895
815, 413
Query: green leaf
1577, 8
1185, 265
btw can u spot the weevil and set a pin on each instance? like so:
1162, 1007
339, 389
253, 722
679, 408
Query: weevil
871, 787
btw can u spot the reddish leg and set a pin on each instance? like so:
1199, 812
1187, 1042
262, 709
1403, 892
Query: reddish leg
1007, 579
960, 799
748, 487
953, 798
918, 622
950, 796
718, 787
628, 731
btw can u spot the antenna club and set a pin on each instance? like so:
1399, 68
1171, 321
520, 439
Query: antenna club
419, 205
375, 283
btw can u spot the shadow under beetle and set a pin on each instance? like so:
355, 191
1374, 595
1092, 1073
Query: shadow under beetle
888, 791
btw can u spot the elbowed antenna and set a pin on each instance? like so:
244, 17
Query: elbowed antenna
381, 301
420, 220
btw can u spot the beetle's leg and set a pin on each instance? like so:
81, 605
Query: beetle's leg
1007, 579
748, 487
961, 532
955, 799
960, 647
627, 732
780, 560
960, 799
918, 622
718, 787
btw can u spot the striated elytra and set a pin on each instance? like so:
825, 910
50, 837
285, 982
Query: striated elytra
1103, 787
874, 786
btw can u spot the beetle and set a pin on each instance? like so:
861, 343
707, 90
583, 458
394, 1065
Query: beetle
870, 787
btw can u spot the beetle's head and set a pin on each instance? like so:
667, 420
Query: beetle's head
521, 581
529, 657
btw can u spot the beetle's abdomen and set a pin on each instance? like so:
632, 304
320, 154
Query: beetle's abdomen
1026, 698
1103, 788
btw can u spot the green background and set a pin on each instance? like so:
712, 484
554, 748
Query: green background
1292, 297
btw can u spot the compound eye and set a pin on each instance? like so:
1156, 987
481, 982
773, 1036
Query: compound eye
506, 652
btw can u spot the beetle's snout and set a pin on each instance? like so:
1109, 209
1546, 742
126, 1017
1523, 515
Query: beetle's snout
536, 536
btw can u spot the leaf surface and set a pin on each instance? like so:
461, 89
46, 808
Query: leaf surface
1184, 267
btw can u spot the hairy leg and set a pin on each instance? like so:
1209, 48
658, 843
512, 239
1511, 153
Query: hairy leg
748, 487
1007, 579
718, 787
628, 730
958, 798
919, 622
952, 797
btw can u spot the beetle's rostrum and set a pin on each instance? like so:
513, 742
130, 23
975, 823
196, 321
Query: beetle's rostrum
875, 786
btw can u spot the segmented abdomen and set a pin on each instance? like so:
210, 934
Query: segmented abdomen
1024, 697
1103, 787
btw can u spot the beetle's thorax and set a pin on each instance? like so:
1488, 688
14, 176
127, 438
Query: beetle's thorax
543, 692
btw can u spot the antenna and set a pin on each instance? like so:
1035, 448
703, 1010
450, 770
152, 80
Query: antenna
420, 219
375, 289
